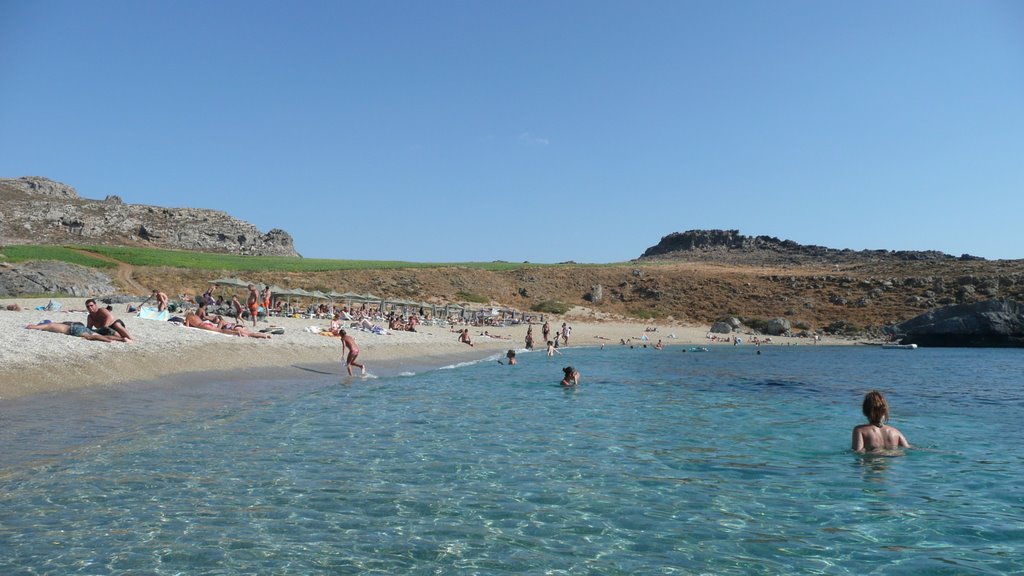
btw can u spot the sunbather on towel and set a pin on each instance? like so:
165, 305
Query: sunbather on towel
217, 324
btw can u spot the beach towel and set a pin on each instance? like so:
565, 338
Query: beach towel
150, 313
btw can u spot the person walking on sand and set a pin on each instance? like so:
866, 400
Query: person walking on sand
102, 322
876, 434
253, 302
353, 352
529, 337
546, 331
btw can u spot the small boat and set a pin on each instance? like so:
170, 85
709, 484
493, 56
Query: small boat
894, 346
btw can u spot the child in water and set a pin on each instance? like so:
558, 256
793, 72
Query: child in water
876, 435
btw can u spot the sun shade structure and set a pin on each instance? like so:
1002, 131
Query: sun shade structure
236, 282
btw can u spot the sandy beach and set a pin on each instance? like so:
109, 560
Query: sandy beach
33, 361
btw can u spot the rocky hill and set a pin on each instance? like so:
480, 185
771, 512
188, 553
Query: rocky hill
731, 247
699, 276
35, 210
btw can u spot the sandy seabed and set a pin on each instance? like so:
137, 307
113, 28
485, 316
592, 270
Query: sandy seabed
34, 361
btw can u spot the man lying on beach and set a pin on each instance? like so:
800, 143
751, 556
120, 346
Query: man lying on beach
72, 329
102, 322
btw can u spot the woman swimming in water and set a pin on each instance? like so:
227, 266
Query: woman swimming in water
876, 434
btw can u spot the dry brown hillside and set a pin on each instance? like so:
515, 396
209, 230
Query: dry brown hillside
845, 297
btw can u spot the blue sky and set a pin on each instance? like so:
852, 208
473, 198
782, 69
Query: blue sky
533, 131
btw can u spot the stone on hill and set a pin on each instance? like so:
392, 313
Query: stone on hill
721, 328
991, 323
778, 326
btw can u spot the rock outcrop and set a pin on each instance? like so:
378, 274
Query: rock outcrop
36, 210
992, 323
729, 246
53, 277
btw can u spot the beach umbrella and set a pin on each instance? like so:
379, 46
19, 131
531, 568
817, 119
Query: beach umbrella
319, 295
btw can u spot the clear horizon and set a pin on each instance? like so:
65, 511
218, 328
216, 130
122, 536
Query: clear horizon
541, 132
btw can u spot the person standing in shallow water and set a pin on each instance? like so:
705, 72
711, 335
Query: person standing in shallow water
353, 352
876, 434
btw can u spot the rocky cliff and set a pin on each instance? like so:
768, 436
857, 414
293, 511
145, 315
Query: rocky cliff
35, 210
729, 246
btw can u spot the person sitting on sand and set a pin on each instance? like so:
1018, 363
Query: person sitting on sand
876, 435
102, 322
572, 376
464, 337
72, 329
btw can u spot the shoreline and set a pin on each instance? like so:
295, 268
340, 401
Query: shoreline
34, 362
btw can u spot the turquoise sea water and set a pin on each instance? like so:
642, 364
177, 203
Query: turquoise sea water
661, 462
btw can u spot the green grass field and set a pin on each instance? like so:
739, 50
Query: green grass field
208, 261
22, 253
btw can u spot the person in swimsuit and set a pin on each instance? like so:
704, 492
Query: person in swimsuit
353, 352
511, 355
102, 322
72, 329
876, 434
161, 300
464, 337
217, 324
266, 299
571, 378
552, 348
253, 302
237, 307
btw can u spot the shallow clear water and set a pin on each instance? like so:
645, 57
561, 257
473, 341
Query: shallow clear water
719, 462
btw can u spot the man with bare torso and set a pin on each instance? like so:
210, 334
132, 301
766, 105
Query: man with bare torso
102, 322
